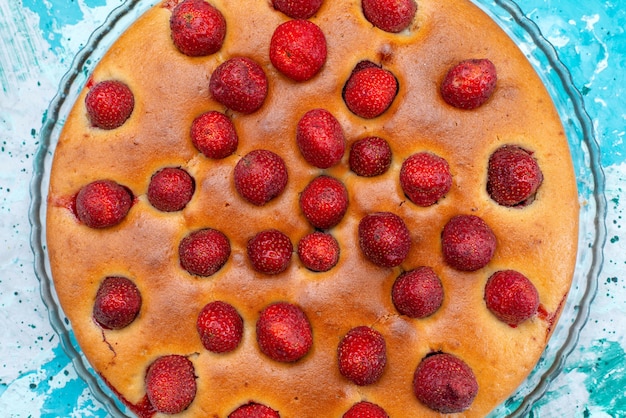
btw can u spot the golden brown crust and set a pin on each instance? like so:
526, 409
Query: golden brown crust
171, 90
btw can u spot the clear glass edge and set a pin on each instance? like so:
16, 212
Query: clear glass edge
583, 146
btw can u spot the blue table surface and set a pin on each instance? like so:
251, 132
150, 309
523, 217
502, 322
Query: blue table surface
38, 42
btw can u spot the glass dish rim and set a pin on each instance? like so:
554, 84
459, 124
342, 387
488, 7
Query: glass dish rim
501, 11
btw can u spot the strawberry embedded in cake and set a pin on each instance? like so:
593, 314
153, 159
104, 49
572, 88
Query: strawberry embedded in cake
171, 384
445, 383
312, 208
117, 303
283, 332
324, 202
390, 15
214, 135
220, 327
170, 189
204, 252
365, 409
320, 138
270, 251
417, 293
469, 83
197, 28
103, 203
318, 251
513, 176
370, 157
362, 355
254, 409
298, 49
109, 104
370, 90
425, 178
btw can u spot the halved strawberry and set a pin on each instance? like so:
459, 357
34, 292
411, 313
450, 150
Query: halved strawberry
103, 203
283, 332
384, 239
511, 297
171, 384
468, 243
117, 304
445, 383
417, 293
320, 138
239, 84
425, 178
513, 176
220, 327
260, 176
297, 9
298, 49
370, 156
470, 83
254, 410
170, 189
324, 202
370, 90
390, 15
214, 135
318, 251
204, 252
109, 104
365, 409
197, 28
362, 355
270, 251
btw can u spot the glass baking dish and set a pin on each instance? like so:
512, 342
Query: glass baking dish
583, 146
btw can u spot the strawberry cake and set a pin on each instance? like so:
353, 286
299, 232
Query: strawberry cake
280, 208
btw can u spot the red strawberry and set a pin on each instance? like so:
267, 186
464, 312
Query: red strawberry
362, 355
118, 302
469, 84
109, 104
417, 293
320, 138
214, 135
220, 327
511, 297
260, 176
370, 156
284, 332
298, 49
103, 203
239, 84
198, 29
384, 239
369, 91
270, 251
254, 410
365, 409
297, 9
445, 383
204, 252
513, 176
318, 251
170, 189
171, 384
390, 15
425, 178
467, 242
324, 202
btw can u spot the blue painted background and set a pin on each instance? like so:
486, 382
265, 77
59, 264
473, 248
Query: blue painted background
39, 39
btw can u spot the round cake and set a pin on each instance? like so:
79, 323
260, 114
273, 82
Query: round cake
313, 209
